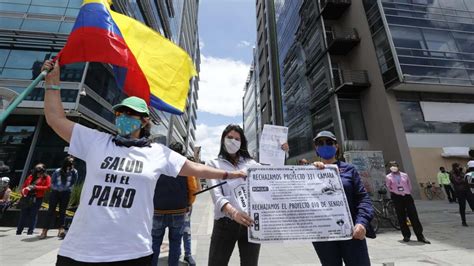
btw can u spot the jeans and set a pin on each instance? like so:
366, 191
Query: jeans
28, 217
224, 235
405, 207
61, 197
175, 224
352, 252
187, 234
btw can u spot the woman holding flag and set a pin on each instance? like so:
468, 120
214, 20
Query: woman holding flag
113, 223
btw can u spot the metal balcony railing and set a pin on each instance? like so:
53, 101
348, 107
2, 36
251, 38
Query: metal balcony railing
340, 42
333, 9
350, 80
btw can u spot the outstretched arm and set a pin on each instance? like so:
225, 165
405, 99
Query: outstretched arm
53, 107
203, 171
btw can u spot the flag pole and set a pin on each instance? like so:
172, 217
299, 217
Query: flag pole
22, 96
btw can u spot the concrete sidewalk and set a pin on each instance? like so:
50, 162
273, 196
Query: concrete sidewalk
452, 244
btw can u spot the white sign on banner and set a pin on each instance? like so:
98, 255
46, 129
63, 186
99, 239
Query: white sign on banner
297, 203
270, 145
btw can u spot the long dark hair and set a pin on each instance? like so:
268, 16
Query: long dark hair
242, 152
39, 168
67, 162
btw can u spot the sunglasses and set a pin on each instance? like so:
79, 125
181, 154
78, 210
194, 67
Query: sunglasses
328, 142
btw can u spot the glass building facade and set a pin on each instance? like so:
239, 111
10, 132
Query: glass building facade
425, 42
305, 73
35, 30
250, 113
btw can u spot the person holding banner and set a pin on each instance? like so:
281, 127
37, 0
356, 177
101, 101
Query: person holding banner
113, 223
354, 251
230, 210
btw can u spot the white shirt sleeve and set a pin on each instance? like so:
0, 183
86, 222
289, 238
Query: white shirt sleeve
218, 197
83, 139
175, 162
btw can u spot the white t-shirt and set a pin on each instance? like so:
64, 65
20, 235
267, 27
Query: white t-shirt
114, 218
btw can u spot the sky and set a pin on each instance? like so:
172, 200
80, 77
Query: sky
227, 30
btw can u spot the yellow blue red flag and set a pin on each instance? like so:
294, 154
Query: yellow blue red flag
146, 64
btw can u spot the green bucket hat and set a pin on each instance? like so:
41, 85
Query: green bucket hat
136, 104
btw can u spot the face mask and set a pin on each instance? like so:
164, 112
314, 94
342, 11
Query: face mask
394, 169
126, 124
326, 152
232, 146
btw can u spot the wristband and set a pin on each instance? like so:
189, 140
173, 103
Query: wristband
226, 175
52, 87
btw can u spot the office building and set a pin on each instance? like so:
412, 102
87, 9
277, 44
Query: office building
271, 110
250, 111
32, 31
395, 76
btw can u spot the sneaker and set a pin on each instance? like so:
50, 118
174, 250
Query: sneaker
423, 240
465, 224
190, 260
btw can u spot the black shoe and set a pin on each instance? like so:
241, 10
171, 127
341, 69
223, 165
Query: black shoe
18, 233
190, 260
465, 224
423, 240
29, 233
406, 239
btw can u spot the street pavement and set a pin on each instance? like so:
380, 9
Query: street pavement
452, 244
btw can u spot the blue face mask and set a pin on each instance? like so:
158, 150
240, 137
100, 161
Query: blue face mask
326, 152
126, 124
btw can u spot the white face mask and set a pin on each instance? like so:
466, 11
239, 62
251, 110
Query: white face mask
232, 146
394, 169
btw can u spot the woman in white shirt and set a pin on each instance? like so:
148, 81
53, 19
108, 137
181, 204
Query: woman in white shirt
230, 218
113, 223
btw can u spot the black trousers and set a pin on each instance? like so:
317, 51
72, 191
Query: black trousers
353, 252
224, 235
450, 193
143, 261
61, 197
405, 207
464, 196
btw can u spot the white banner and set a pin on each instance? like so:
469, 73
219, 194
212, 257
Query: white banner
270, 145
297, 203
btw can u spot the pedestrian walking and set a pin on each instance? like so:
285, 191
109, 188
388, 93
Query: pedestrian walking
399, 185
113, 223
62, 181
230, 218
353, 251
443, 181
462, 189
32, 191
171, 207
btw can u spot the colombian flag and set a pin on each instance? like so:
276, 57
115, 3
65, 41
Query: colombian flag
146, 64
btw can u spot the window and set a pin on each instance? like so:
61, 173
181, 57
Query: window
352, 120
407, 37
40, 25
46, 10
414, 122
10, 23
22, 64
